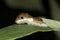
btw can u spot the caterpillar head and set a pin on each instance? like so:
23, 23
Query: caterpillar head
22, 18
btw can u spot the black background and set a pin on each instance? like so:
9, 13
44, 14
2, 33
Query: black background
8, 15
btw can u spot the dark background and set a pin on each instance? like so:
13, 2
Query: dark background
8, 15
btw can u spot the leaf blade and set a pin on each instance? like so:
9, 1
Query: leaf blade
55, 25
18, 31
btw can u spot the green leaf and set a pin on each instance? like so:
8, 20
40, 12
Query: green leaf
17, 31
54, 24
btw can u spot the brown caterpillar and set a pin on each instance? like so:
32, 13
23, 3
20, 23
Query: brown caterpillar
30, 20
